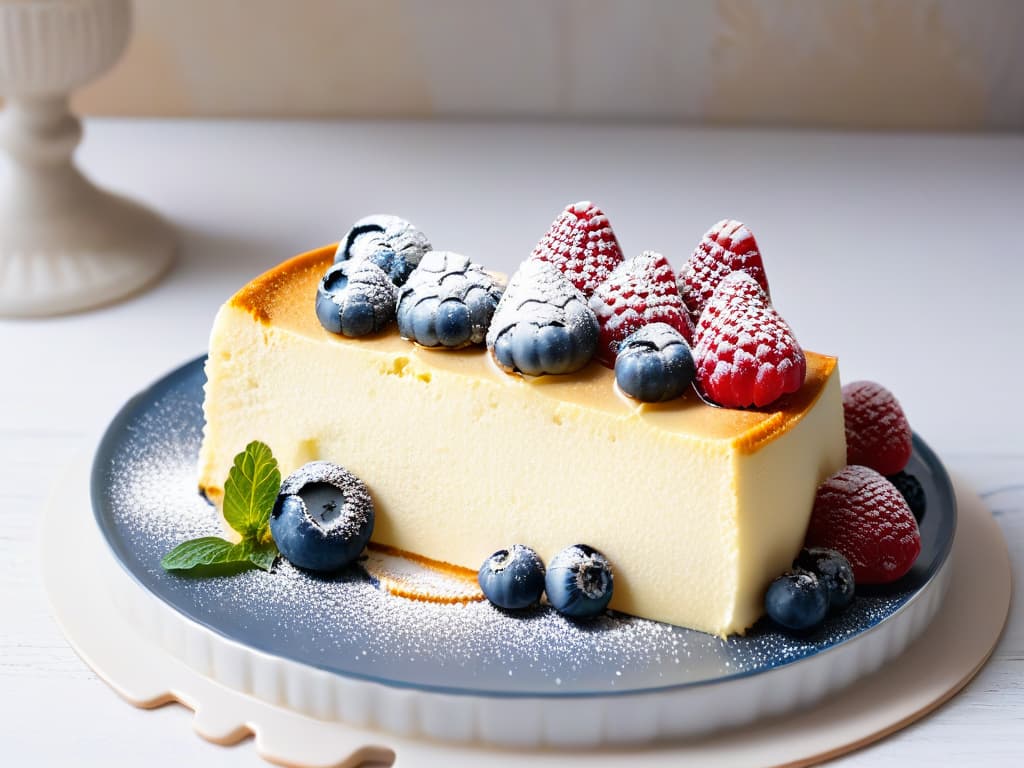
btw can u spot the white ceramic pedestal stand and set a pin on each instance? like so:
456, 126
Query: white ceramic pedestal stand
948, 654
65, 245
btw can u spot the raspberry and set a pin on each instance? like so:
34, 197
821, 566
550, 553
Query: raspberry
862, 515
638, 292
746, 354
877, 432
725, 248
581, 243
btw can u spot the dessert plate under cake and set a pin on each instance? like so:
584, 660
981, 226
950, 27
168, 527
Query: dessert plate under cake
145, 501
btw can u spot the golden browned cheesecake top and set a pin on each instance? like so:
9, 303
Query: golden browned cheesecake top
285, 296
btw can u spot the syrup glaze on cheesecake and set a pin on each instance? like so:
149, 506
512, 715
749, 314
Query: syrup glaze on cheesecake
697, 507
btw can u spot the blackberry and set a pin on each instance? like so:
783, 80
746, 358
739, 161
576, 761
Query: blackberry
912, 490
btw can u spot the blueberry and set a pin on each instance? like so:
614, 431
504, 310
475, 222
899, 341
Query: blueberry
322, 518
392, 243
542, 324
833, 571
512, 578
579, 582
912, 490
797, 601
448, 301
355, 299
654, 364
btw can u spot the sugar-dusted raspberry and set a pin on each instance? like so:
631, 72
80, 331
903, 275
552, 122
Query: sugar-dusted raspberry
725, 248
877, 432
638, 292
581, 243
862, 515
746, 354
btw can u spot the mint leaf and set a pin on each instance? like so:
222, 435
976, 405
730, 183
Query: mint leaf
251, 489
208, 550
263, 555
249, 494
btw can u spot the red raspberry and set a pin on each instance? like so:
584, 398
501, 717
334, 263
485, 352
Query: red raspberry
725, 248
581, 243
746, 354
877, 432
640, 291
864, 516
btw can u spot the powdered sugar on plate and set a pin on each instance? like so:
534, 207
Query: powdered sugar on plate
147, 502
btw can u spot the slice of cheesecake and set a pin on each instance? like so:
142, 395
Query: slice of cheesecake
698, 508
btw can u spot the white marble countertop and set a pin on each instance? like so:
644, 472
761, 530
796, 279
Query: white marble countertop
900, 254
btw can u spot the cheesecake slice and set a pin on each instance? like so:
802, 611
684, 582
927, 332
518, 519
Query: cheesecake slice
698, 508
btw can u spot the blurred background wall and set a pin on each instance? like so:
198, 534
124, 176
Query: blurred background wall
877, 64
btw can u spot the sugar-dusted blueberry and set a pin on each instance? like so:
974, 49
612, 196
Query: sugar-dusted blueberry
579, 582
390, 242
797, 601
448, 302
323, 517
912, 490
512, 578
355, 298
542, 324
654, 364
833, 571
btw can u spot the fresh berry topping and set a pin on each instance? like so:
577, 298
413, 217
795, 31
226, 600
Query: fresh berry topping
911, 490
797, 601
746, 354
322, 518
654, 364
512, 578
579, 582
877, 432
638, 292
581, 243
355, 298
725, 248
833, 571
862, 515
542, 323
448, 301
393, 244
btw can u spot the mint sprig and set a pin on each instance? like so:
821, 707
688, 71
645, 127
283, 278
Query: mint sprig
253, 483
250, 490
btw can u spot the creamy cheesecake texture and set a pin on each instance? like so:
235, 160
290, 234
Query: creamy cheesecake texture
698, 508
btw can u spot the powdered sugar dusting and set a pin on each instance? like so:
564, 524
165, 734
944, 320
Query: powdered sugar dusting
746, 354
638, 292
357, 507
146, 489
581, 243
727, 247
443, 276
382, 231
539, 297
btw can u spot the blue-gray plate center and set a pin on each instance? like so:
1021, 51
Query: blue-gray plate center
146, 501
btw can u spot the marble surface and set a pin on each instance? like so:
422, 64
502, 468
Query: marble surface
898, 253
